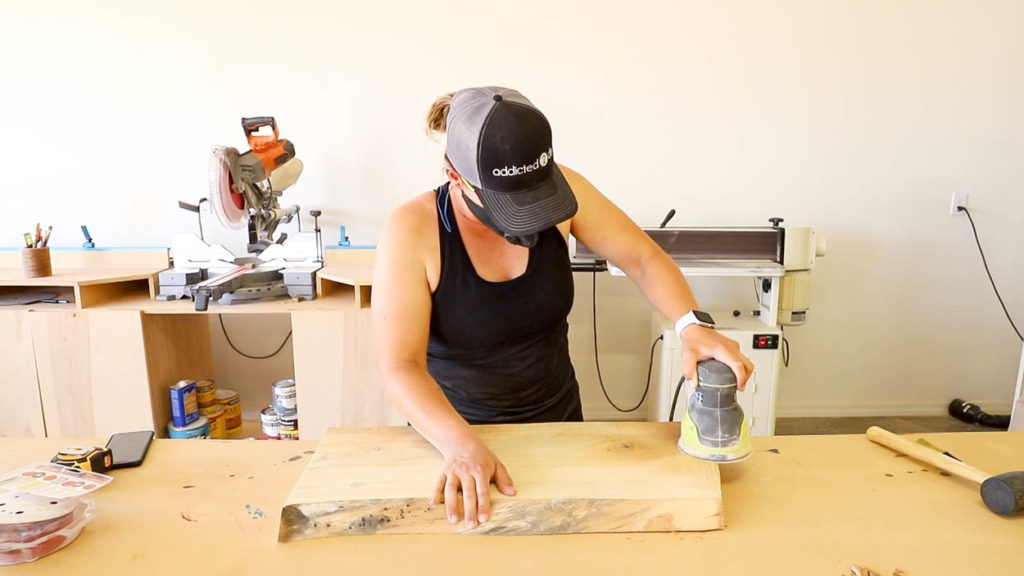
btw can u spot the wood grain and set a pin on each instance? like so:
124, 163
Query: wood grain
177, 347
363, 257
61, 344
570, 478
63, 258
336, 377
21, 412
119, 379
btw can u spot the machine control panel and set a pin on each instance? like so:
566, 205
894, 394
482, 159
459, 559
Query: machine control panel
765, 341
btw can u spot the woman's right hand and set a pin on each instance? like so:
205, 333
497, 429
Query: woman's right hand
470, 466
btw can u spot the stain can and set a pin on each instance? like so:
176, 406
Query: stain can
235, 432
284, 399
218, 425
184, 407
198, 429
206, 393
232, 405
271, 424
289, 424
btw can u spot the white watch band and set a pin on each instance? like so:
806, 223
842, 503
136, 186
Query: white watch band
686, 320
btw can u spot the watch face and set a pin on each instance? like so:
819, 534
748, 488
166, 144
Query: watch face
703, 317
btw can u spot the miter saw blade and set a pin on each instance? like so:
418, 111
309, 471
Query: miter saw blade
228, 204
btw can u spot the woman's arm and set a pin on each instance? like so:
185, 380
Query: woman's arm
606, 230
401, 306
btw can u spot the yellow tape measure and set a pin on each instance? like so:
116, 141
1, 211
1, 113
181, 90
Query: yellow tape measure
85, 457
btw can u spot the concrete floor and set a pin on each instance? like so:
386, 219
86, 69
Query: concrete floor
857, 425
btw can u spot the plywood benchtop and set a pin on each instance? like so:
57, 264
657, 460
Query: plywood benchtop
797, 505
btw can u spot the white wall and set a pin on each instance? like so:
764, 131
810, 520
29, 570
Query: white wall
859, 118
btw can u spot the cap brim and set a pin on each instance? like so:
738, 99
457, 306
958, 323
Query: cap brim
530, 211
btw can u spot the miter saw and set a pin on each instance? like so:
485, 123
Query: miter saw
244, 192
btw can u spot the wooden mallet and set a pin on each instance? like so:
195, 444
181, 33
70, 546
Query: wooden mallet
1003, 494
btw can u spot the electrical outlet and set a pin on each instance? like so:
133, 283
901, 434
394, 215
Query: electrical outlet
959, 199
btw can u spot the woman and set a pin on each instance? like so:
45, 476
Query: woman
472, 288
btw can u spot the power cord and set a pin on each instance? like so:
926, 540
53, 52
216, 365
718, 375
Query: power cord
675, 398
985, 262
220, 317
597, 362
785, 347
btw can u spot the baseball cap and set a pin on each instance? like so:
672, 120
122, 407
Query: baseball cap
501, 143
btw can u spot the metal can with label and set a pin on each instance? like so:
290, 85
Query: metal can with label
284, 398
206, 393
215, 414
271, 424
289, 426
232, 405
198, 429
184, 407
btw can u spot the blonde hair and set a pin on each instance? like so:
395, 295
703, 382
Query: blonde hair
437, 117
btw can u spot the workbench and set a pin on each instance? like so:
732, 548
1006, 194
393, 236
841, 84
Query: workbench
798, 505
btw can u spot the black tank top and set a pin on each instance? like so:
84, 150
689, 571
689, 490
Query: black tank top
500, 350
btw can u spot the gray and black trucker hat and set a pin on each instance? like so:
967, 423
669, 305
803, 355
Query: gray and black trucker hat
501, 143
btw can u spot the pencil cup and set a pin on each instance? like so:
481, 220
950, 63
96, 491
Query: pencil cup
36, 262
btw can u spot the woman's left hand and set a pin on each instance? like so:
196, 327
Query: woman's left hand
701, 343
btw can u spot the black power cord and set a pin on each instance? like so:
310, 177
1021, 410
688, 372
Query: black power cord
597, 362
785, 347
675, 398
250, 356
985, 262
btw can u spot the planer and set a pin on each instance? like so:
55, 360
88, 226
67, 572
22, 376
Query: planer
778, 259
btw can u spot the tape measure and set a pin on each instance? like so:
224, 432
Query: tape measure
85, 457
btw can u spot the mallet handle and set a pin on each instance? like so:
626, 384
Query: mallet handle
927, 455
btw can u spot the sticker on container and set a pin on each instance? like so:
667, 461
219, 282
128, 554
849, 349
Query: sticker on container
232, 404
270, 423
284, 401
197, 430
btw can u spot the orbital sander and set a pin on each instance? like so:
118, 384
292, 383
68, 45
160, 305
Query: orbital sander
713, 425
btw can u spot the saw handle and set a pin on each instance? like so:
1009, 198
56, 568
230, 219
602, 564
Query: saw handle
926, 455
251, 125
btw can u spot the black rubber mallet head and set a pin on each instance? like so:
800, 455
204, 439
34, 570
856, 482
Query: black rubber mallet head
1003, 494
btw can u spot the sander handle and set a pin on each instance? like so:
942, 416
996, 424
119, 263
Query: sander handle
926, 455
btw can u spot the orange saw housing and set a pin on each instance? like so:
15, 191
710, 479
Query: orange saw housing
271, 152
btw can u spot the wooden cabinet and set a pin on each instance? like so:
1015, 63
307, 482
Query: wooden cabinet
102, 362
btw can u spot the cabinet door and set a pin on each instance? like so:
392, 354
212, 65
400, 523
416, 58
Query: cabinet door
92, 372
60, 340
21, 412
117, 372
336, 377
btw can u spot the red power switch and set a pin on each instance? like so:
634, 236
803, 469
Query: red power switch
766, 342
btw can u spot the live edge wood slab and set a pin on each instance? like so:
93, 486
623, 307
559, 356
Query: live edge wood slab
570, 478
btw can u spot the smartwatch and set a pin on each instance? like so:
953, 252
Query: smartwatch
694, 317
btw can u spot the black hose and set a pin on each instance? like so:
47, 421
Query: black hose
973, 414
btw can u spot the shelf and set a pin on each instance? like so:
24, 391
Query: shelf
346, 281
84, 288
147, 305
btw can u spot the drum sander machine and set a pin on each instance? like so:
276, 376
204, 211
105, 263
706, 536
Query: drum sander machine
713, 426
